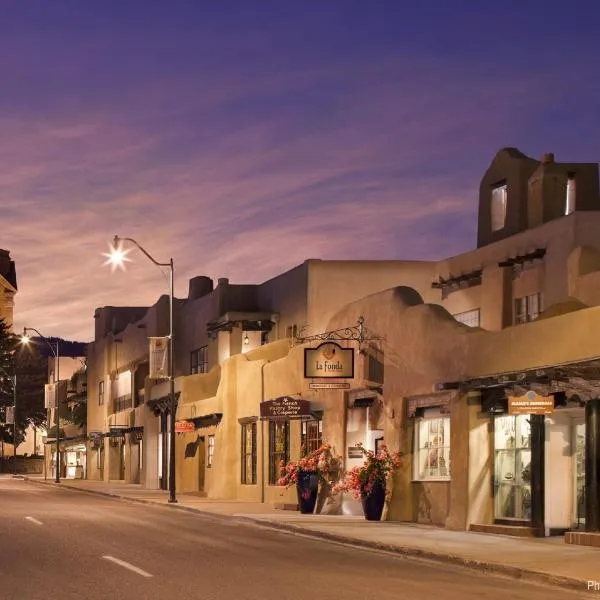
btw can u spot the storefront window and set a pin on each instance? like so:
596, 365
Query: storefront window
312, 435
432, 447
512, 476
580, 474
210, 451
279, 448
248, 453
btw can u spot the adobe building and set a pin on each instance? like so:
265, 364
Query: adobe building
8, 286
446, 356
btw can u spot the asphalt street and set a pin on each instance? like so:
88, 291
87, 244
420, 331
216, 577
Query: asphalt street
62, 544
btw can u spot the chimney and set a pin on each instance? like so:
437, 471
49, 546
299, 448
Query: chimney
223, 281
548, 158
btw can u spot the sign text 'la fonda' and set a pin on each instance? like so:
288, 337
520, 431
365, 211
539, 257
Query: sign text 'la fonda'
329, 360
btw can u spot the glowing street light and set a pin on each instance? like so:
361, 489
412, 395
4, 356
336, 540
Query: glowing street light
116, 258
25, 340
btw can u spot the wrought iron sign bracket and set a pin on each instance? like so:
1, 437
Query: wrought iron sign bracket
358, 333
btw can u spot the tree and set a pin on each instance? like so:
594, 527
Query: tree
8, 343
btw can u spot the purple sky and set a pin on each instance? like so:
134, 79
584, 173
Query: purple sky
245, 137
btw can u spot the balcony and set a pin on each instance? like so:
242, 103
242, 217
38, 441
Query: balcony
122, 403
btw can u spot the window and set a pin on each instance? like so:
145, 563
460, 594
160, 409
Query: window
199, 360
100, 393
279, 448
498, 206
312, 435
570, 195
210, 451
528, 308
248, 453
469, 317
291, 331
432, 447
512, 467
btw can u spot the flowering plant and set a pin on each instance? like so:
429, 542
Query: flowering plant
378, 467
322, 461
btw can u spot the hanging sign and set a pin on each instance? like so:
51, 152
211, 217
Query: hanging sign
329, 360
54, 391
284, 407
10, 415
159, 360
184, 426
530, 404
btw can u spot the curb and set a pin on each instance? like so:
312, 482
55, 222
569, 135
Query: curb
406, 551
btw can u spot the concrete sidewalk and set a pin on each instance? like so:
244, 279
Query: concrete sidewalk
546, 560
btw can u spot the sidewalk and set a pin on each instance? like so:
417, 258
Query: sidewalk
545, 560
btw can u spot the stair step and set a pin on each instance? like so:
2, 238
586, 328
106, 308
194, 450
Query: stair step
514, 530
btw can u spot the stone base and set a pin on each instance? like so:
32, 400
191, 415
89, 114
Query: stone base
285, 506
514, 530
583, 538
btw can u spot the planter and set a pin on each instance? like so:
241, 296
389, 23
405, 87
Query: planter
373, 503
307, 488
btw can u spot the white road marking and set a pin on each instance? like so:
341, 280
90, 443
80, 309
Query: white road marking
34, 520
127, 565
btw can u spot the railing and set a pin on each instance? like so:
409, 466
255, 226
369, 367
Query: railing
123, 403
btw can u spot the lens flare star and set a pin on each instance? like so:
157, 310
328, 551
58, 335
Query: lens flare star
117, 257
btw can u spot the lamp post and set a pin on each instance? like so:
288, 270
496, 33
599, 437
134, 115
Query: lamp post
55, 352
116, 257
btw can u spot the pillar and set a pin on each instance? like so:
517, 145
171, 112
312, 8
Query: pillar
592, 465
538, 438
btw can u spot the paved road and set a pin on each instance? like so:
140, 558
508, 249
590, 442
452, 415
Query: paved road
63, 545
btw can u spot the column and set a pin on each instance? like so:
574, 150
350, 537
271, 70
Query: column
538, 438
592, 465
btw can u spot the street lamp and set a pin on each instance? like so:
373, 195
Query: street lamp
25, 339
116, 258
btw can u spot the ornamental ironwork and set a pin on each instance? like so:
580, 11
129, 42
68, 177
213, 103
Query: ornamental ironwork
359, 333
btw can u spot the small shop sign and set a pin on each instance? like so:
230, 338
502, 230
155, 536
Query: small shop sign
338, 385
284, 407
184, 426
329, 360
355, 452
530, 404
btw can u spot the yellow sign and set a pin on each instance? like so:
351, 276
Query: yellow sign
329, 360
530, 404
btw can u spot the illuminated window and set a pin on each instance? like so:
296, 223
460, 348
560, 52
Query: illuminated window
279, 448
498, 207
312, 435
210, 451
432, 446
570, 195
248, 453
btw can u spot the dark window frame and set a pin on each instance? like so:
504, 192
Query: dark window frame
311, 435
210, 450
248, 429
276, 457
199, 360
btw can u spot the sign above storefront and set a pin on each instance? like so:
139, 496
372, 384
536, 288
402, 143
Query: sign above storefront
285, 407
329, 360
329, 386
184, 426
530, 404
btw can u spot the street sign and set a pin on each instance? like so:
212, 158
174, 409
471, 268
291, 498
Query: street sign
329, 386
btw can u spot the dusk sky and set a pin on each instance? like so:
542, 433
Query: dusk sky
242, 138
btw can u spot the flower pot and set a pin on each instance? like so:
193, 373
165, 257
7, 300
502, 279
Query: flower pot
307, 487
373, 502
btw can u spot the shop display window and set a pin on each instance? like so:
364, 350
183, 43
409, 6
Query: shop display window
432, 448
512, 474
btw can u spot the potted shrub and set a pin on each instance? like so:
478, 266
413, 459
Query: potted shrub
369, 481
306, 473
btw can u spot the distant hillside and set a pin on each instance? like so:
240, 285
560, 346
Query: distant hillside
65, 347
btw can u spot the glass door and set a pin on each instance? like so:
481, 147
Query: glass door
512, 467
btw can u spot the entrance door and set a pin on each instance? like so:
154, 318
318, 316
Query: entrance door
201, 463
579, 475
512, 469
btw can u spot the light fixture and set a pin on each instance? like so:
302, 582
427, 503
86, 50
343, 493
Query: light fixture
246, 340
